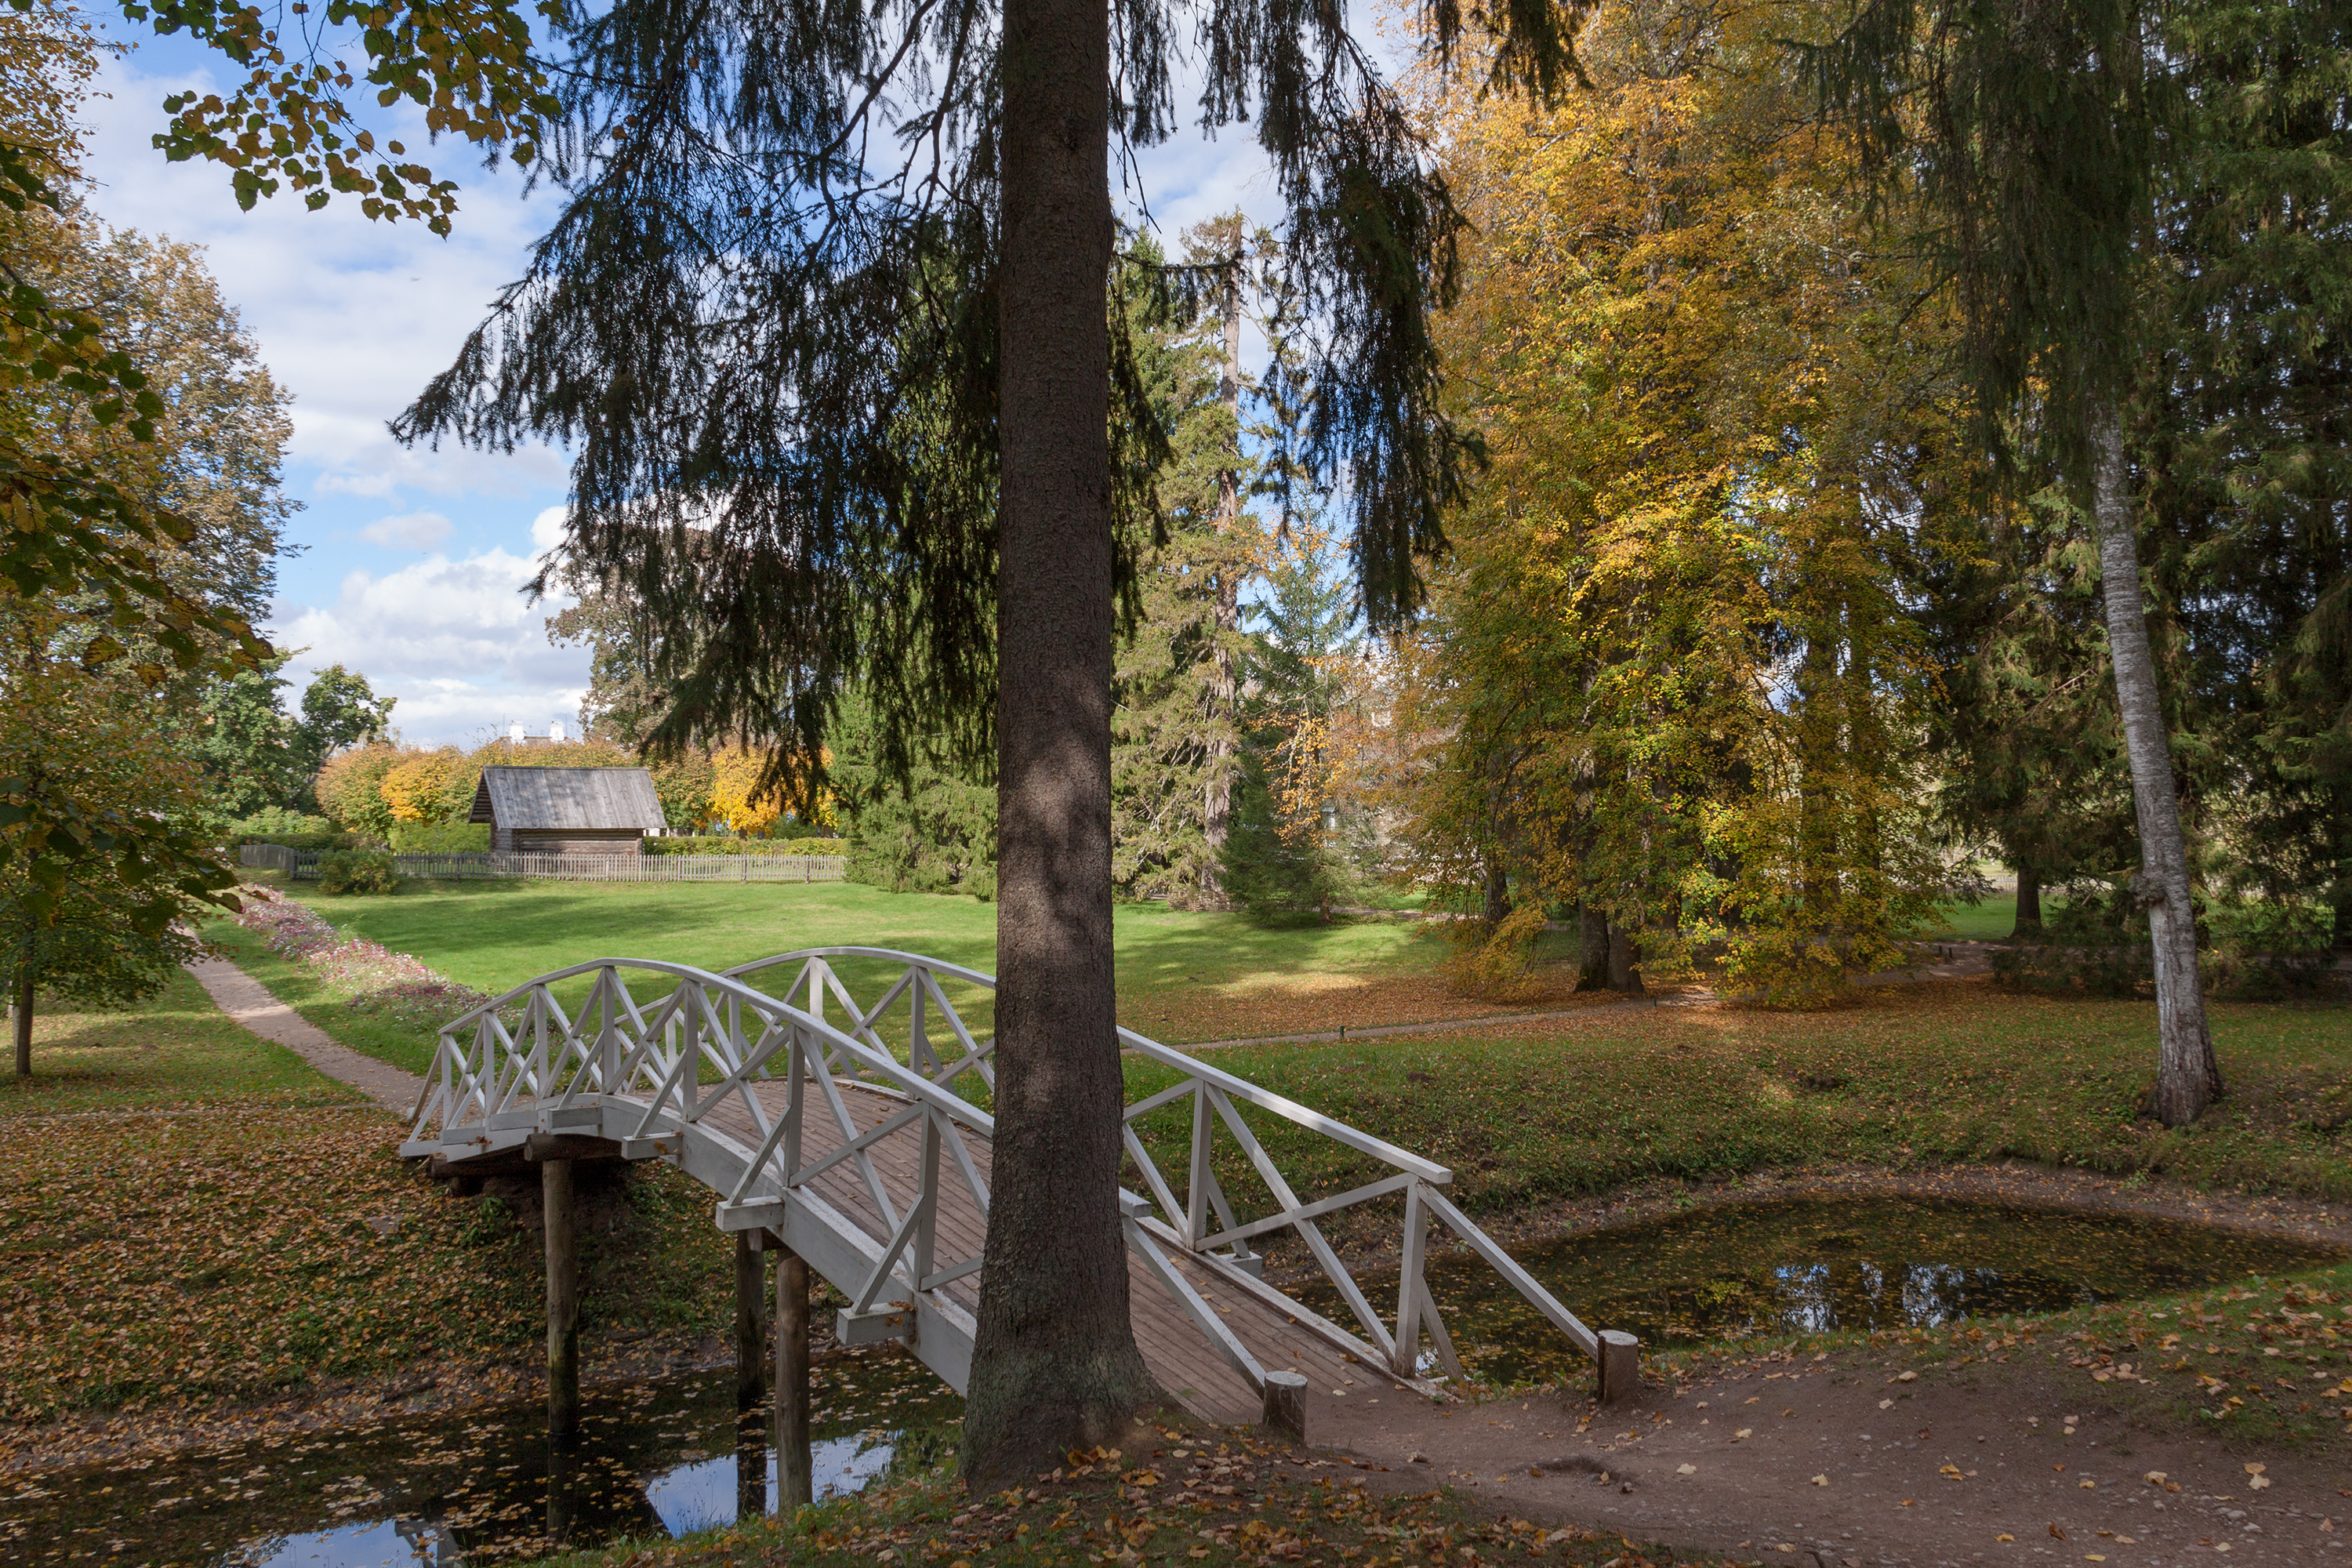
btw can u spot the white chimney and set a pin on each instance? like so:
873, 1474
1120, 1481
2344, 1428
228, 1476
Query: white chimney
514, 733
555, 733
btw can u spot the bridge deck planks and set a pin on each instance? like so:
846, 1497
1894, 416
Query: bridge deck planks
1173, 1346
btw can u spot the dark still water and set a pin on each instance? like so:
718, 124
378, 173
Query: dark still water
1812, 1265
653, 1458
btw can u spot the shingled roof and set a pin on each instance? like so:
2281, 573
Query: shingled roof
538, 799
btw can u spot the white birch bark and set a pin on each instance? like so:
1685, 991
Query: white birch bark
2188, 1076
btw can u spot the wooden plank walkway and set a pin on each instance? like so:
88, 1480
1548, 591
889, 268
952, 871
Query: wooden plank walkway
1179, 1353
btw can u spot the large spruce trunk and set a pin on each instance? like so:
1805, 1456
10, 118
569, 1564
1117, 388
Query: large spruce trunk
2187, 1076
1055, 1366
2028, 904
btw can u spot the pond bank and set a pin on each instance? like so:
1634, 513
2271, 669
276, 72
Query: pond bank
441, 1384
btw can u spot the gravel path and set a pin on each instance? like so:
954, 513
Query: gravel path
245, 999
1838, 1463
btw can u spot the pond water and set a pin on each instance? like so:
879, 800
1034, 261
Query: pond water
480, 1486
1809, 1264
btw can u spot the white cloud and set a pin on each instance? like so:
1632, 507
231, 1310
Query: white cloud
411, 530
377, 487
353, 316
454, 640
546, 528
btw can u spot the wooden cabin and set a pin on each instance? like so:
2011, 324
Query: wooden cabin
568, 811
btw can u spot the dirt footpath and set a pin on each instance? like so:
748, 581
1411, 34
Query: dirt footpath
1839, 1462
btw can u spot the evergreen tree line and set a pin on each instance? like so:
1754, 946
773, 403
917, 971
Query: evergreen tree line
1239, 637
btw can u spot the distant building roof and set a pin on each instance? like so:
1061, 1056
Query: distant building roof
541, 798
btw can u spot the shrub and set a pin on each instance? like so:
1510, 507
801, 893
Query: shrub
329, 840
440, 838
2254, 950
2267, 949
357, 871
1496, 963
350, 787
271, 823
720, 844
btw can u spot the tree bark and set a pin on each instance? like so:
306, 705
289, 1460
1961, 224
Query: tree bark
1499, 894
1624, 961
2186, 1077
1592, 957
2339, 896
2028, 904
1055, 1365
20, 1020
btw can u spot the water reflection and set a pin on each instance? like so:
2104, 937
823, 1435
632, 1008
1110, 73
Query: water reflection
1815, 1264
480, 1488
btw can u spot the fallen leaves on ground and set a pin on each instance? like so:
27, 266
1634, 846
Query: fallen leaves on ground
1281, 1507
182, 1261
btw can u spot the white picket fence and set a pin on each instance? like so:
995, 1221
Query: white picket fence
302, 866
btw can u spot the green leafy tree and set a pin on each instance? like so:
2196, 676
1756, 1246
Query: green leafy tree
85, 481
103, 855
246, 744
340, 710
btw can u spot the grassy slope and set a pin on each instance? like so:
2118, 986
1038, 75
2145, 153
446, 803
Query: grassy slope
1182, 977
1949, 1071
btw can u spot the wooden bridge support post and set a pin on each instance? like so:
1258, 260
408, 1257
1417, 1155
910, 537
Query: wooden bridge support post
750, 1323
1286, 1404
795, 1479
562, 1298
1620, 1366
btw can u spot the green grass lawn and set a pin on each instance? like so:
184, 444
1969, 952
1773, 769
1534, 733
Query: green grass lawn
175, 1049
1182, 977
1909, 1075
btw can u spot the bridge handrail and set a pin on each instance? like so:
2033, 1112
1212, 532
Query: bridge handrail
907, 1081
1213, 1090
494, 1068
800, 955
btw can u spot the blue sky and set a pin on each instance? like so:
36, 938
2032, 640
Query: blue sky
409, 561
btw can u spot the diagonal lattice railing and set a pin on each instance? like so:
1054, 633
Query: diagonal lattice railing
653, 1051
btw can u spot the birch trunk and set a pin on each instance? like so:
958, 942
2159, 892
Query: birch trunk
1054, 1365
2188, 1076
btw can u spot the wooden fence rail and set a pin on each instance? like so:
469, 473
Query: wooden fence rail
302, 866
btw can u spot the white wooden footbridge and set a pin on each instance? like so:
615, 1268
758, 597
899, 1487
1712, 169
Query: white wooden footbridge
842, 1134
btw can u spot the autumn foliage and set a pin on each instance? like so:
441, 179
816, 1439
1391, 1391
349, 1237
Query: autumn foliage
1666, 679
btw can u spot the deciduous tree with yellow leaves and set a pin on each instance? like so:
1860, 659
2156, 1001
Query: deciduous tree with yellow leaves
1666, 677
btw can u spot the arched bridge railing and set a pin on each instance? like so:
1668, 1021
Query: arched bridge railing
681, 1063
